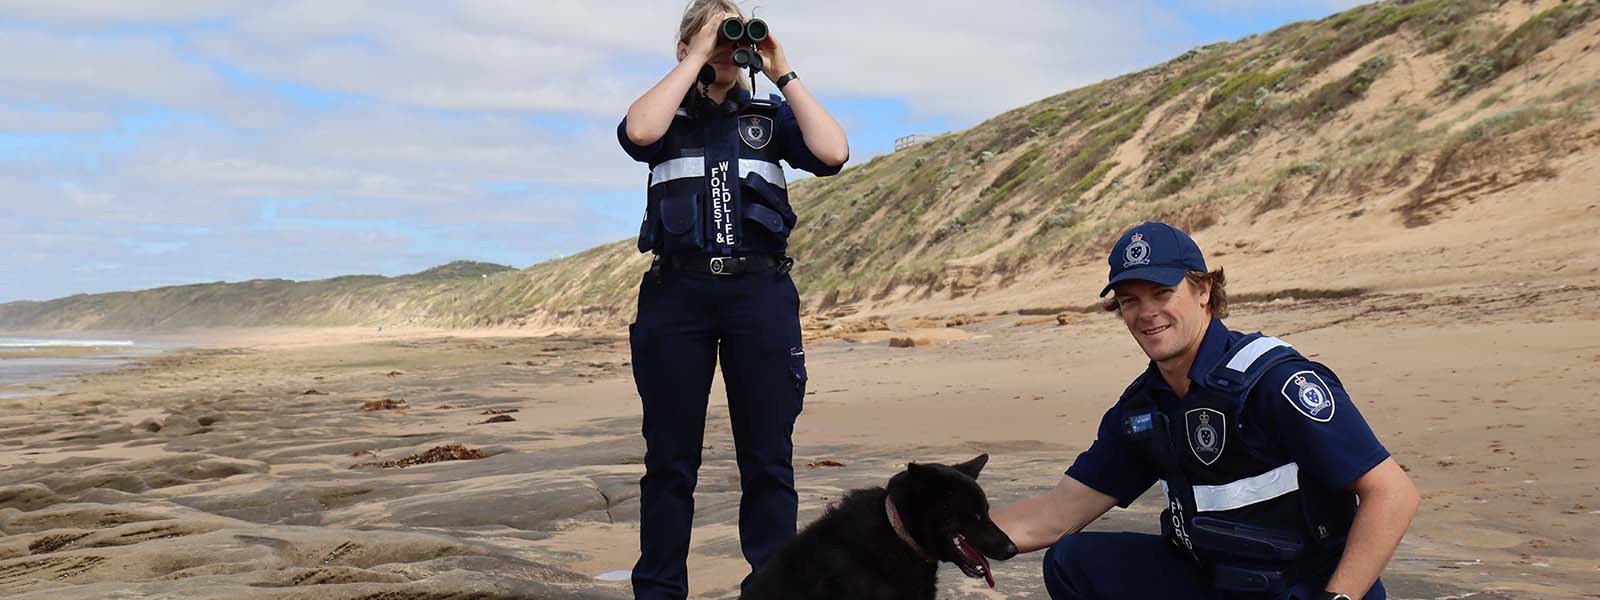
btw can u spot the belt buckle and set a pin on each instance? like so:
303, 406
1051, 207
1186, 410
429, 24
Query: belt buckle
717, 265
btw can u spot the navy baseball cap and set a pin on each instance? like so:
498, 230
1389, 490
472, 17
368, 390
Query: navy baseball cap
1155, 252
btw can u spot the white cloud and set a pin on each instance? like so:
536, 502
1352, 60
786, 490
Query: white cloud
90, 12
14, 120
91, 72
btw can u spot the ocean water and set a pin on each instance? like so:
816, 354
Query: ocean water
33, 366
16, 344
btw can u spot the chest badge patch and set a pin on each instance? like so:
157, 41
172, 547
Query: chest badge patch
1208, 433
755, 130
1309, 395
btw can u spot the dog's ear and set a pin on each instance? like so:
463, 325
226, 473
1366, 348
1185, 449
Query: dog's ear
972, 467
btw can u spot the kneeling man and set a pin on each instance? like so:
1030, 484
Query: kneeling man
1275, 485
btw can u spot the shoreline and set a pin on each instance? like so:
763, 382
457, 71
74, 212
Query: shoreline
38, 365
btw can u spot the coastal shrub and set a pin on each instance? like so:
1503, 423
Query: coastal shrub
1507, 123
1233, 107
952, 227
1047, 121
1013, 175
1332, 97
1355, 28
1063, 217
1310, 167
1454, 23
1516, 48
1175, 183
1094, 177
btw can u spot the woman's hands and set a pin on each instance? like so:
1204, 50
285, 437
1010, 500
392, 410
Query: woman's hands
650, 116
704, 42
773, 62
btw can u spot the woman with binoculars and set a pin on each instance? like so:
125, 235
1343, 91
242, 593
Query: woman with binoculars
717, 218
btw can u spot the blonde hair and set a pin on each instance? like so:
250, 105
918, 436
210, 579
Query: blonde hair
695, 16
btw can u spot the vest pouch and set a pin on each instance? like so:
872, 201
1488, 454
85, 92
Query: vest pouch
767, 218
1245, 541
1250, 578
680, 224
774, 197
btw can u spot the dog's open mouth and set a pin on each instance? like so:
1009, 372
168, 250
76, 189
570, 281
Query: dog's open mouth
973, 563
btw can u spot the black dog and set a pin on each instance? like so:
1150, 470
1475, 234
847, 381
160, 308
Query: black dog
886, 543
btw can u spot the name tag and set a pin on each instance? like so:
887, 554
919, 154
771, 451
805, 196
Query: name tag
1138, 426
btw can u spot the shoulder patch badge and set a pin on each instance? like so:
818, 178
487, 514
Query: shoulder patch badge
1208, 433
755, 130
1309, 395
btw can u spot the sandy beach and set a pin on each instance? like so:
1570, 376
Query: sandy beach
226, 471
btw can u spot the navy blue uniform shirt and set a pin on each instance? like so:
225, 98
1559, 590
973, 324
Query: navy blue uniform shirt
793, 147
716, 185
1334, 446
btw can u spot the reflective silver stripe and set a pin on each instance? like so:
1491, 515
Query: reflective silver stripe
1241, 362
682, 112
768, 171
678, 168
1245, 492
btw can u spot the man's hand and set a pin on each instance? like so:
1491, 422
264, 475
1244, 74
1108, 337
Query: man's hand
1040, 521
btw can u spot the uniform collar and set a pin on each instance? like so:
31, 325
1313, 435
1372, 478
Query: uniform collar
1213, 346
737, 100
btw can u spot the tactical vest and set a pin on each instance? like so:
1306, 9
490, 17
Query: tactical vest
1253, 518
717, 188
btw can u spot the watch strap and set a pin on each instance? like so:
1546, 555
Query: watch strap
786, 78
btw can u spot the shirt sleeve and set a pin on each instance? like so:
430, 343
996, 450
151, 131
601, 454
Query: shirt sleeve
794, 147
643, 154
1312, 418
1114, 465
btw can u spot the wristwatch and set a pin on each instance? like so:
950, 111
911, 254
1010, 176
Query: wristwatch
787, 77
1332, 596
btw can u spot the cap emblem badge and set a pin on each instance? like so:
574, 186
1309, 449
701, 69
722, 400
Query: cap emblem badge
1137, 253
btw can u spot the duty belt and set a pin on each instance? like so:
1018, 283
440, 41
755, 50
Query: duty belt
729, 265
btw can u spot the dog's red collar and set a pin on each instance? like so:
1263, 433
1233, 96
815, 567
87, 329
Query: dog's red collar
900, 529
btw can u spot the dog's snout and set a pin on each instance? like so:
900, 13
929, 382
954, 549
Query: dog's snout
997, 545
1007, 552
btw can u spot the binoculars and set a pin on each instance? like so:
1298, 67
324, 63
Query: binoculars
745, 35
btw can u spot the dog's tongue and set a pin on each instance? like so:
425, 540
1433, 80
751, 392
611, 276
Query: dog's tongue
974, 556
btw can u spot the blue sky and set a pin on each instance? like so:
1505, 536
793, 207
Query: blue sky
162, 142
